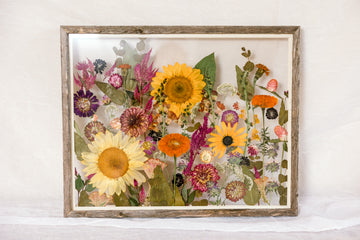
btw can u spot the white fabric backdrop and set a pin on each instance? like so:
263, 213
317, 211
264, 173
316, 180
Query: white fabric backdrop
31, 120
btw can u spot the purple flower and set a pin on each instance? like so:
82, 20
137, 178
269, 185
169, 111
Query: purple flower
85, 104
230, 116
148, 145
198, 140
144, 74
116, 80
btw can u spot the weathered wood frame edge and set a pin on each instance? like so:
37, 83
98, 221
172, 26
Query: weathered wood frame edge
138, 212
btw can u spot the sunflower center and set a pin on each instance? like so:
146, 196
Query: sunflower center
84, 104
178, 89
113, 162
227, 140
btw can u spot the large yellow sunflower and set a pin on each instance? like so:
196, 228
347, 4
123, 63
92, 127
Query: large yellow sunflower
184, 86
227, 136
115, 160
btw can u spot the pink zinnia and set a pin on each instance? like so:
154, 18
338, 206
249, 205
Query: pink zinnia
202, 175
134, 121
116, 80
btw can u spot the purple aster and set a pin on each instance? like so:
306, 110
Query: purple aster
230, 116
148, 145
85, 104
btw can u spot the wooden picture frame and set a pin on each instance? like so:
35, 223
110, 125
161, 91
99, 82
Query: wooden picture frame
285, 38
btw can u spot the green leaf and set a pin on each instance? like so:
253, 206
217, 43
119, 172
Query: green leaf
207, 68
80, 146
202, 202
79, 183
121, 200
160, 193
191, 197
133, 201
252, 197
249, 66
89, 187
178, 199
246, 171
243, 81
84, 199
282, 178
275, 140
282, 190
283, 200
284, 164
77, 129
274, 93
283, 114
184, 194
132, 190
116, 96
285, 147
194, 128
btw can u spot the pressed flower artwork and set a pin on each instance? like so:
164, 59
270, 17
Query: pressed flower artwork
162, 123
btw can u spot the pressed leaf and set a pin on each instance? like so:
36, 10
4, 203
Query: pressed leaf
84, 199
275, 140
207, 68
274, 93
178, 199
184, 194
246, 171
133, 201
249, 66
202, 202
191, 197
252, 197
117, 96
121, 200
79, 183
285, 146
283, 114
89, 187
283, 200
284, 164
282, 178
194, 128
282, 190
77, 129
241, 82
160, 193
80, 146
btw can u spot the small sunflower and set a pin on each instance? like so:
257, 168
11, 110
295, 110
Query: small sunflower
183, 87
114, 161
174, 144
227, 136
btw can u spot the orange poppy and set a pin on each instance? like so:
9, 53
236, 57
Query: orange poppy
263, 68
174, 144
264, 101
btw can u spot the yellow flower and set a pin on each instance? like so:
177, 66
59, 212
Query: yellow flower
116, 161
256, 119
255, 135
183, 87
242, 114
227, 136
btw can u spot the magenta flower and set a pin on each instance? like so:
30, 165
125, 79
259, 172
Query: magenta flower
202, 175
253, 150
143, 73
230, 116
116, 80
198, 140
86, 78
134, 121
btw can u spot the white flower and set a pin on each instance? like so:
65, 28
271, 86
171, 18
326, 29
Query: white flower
226, 89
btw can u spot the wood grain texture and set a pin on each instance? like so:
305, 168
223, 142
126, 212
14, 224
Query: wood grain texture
139, 211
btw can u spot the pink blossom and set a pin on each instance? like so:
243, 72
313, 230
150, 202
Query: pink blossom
143, 73
280, 132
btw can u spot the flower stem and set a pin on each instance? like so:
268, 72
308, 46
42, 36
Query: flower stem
263, 152
247, 109
174, 176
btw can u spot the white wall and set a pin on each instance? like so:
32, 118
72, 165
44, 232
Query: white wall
31, 120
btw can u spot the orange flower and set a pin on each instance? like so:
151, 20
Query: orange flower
220, 105
124, 66
264, 68
264, 101
174, 144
